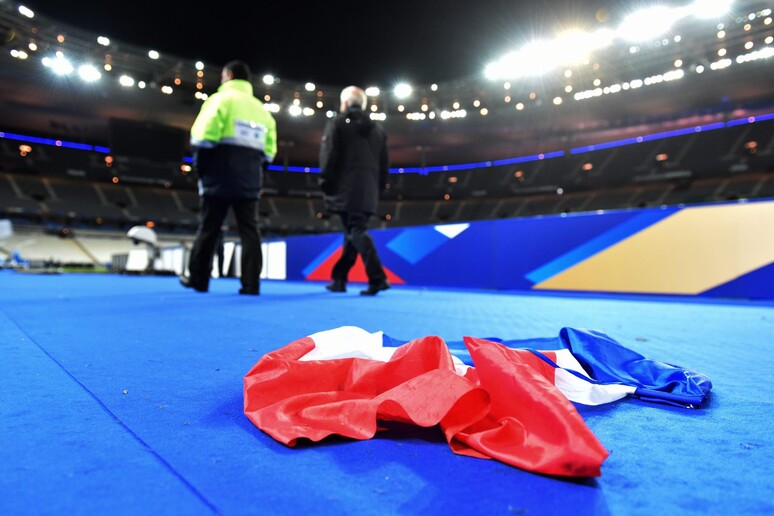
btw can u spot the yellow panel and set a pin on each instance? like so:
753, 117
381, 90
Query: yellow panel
694, 250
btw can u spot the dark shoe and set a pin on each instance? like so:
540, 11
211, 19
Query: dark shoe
249, 292
372, 290
187, 283
337, 286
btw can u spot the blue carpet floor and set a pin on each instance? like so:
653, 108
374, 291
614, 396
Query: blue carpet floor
123, 395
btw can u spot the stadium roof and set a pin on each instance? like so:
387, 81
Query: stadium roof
334, 42
694, 70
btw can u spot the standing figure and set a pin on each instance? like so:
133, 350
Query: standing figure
233, 137
354, 164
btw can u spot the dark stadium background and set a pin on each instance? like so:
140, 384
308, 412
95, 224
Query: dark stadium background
458, 169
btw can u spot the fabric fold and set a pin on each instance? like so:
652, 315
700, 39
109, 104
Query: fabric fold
503, 409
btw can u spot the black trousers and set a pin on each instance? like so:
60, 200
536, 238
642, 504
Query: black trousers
213, 211
358, 241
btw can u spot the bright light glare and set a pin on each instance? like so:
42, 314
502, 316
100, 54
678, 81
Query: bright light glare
402, 90
268, 79
26, 11
528, 61
541, 56
153, 54
373, 91
309, 86
89, 73
59, 65
649, 23
126, 81
575, 46
710, 8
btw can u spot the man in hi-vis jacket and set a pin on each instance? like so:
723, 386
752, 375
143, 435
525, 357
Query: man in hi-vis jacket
232, 138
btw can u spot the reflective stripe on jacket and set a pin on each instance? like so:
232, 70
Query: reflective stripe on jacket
232, 137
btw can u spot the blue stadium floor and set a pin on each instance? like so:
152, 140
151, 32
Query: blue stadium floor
123, 395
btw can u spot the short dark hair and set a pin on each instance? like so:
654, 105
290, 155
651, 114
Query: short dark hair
239, 69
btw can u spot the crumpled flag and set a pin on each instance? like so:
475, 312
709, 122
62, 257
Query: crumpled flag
503, 400
344, 382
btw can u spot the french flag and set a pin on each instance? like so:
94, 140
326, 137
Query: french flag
495, 399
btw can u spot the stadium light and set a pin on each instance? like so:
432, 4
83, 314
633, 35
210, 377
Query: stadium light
710, 8
531, 60
649, 23
575, 46
26, 11
89, 73
59, 64
126, 81
402, 90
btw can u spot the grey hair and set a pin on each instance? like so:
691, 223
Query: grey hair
354, 96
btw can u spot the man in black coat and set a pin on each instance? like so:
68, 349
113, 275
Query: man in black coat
354, 164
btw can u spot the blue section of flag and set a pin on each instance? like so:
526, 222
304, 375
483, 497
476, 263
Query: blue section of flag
608, 362
596, 245
414, 244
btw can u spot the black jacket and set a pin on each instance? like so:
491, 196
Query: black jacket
354, 162
229, 171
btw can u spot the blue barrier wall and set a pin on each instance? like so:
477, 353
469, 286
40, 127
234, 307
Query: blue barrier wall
718, 250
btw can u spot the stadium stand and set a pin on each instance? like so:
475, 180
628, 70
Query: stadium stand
708, 137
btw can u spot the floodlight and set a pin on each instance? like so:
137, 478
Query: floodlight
59, 65
649, 23
710, 8
89, 73
126, 81
402, 90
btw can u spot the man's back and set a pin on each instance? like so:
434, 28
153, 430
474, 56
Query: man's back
353, 170
234, 135
354, 160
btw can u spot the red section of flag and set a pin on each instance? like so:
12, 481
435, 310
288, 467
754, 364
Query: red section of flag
357, 274
503, 409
